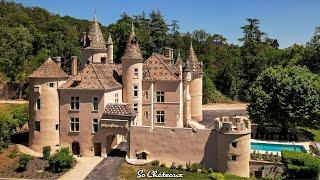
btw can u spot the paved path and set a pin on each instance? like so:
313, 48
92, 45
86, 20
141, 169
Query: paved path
109, 167
27, 150
82, 169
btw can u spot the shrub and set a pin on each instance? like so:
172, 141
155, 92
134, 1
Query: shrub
301, 165
23, 161
216, 176
13, 153
180, 167
210, 170
163, 165
61, 160
173, 165
46, 151
188, 166
194, 167
155, 163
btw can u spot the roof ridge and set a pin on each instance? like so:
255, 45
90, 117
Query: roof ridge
94, 70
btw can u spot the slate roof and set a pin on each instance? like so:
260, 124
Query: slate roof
154, 68
49, 69
94, 77
119, 110
95, 35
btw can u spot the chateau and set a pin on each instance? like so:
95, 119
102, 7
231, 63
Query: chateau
153, 104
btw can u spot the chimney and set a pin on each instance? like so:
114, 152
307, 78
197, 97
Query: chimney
74, 65
57, 60
168, 53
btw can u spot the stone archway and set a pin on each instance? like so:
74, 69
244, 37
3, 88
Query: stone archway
75, 148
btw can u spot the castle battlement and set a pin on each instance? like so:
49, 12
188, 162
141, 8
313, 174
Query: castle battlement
232, 124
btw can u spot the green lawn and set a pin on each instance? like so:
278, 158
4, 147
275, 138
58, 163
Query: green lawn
315, 132
128, 171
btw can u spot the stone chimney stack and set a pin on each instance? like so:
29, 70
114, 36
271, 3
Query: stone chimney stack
74, 65
57, 60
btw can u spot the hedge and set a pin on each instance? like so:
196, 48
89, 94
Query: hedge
301, 165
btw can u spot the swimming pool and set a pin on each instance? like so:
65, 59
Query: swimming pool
276, 147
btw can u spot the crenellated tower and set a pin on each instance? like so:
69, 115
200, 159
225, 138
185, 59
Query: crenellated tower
132, 78
195, 66
233, 144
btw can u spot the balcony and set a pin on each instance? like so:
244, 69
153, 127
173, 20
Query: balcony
114, 123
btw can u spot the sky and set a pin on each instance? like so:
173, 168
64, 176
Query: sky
289, 21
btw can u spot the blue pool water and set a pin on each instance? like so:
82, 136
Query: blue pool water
276, 147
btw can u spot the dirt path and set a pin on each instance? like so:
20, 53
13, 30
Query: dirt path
220, 106
13, 102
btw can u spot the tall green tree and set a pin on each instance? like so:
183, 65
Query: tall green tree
286, 97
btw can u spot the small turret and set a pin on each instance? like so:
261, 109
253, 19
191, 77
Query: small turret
192, 55
132, 79
132, 50
110, 49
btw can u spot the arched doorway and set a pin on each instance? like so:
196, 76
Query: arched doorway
76, 148
116, 145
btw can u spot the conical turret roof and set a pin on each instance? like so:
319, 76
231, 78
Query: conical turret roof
132, 50
95, 35
192, 55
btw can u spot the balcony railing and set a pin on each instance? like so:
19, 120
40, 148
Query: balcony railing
114, 123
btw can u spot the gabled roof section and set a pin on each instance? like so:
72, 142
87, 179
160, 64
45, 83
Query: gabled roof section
94, 77
95, 35
154, 68
132, 50
49, 69
119, 110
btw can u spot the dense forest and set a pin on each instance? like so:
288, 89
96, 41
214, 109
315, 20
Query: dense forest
29, 35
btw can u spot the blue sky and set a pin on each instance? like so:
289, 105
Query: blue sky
290, 21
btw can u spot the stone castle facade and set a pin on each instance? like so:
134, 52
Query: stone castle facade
104, 104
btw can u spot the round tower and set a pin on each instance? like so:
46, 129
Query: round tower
195, 85
94, 46
132, 76
44, 105
233, 145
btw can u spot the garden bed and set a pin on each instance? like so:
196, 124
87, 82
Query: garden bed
37, 168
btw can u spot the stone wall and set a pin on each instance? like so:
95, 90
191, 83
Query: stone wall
260, 169
179, 145
182, 145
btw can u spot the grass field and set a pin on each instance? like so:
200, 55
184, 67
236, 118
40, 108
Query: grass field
8, 107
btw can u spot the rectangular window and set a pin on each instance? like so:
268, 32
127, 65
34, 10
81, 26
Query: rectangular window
95, 103
103, 60
160, 116
135, 91
146, 94
160, 96
37, 126
57, 127
74, 104
116, 98
136, 73
38, 104
95, 125
146, 115
51, 85
74, 125
135, 107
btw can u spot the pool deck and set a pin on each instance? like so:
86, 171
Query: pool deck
304, 144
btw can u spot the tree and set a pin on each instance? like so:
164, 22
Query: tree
175, 27
286, 97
